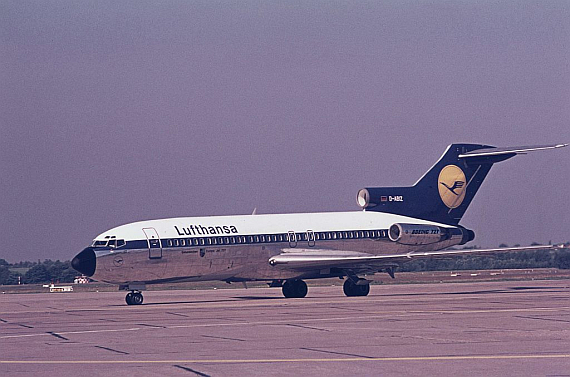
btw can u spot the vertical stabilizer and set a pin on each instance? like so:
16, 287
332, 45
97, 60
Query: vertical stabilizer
446, 190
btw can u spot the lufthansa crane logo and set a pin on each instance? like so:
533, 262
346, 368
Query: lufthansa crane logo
118, 261
451, 186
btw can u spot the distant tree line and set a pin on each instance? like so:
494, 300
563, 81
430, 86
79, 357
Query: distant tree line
61, 272
36, 272
541, 258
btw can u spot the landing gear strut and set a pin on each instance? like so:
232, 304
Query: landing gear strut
352, 289
295, 288
134, 298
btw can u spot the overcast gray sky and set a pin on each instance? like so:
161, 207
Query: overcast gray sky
113, 112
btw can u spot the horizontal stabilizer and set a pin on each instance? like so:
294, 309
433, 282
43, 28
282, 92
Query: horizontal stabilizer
485, 152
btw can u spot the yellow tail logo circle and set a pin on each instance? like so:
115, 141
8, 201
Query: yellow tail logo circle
451, 186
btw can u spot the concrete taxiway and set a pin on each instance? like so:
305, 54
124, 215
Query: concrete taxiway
497, 328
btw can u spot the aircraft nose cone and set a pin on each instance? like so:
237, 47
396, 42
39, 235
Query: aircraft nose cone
85, 262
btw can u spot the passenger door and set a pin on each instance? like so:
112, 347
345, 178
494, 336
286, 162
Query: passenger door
292, 238
311, 238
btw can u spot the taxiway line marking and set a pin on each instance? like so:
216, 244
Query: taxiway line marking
290, 321
306, 360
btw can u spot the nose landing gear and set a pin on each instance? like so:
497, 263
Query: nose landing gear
134, 298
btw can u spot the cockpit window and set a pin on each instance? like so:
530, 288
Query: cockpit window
116, 243
109, 241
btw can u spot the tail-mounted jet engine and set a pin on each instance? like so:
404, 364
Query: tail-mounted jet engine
419, 234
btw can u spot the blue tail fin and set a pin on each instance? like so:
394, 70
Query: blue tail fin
446, 190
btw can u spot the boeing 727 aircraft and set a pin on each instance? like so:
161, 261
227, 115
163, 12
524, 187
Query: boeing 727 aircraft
395, 225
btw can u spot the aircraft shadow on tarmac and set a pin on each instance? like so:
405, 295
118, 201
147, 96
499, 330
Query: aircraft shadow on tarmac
232, 299
271, 298
258, 298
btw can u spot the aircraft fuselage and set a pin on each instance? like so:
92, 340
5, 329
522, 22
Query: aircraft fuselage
238, 248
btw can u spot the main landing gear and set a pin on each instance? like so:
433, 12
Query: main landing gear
356, 289
295, 288
134, 298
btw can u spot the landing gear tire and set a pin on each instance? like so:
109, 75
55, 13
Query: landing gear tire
353, 290
134, 298
295, 289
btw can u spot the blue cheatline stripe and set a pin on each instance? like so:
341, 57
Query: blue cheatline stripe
257, 239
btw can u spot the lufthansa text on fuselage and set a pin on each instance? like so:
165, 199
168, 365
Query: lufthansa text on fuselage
195, 230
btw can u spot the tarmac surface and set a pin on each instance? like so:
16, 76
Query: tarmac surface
466, 329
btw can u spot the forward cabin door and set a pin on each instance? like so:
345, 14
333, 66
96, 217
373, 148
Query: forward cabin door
154, 244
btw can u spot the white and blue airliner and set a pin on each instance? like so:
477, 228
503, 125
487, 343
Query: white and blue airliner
395, 225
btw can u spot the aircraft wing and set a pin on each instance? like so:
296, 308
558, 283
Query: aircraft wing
305, 259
